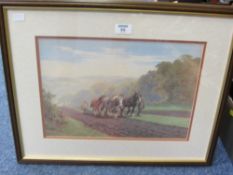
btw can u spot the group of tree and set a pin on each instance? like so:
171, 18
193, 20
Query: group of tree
170, 82
51, 111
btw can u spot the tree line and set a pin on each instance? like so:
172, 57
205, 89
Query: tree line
169, 82
172, 82
51, 111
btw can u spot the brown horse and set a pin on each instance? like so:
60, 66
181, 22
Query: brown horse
131, 103
114, 106
107, 106
96, 105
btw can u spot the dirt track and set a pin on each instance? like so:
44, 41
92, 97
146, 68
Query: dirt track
126, 127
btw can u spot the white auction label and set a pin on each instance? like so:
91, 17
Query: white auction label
123, 29
18, 16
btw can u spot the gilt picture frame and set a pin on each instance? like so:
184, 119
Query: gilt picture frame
116, 82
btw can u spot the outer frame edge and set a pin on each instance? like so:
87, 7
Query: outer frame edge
171, 7
8, 84
121, 4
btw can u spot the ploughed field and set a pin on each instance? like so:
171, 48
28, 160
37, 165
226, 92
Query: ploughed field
152, 123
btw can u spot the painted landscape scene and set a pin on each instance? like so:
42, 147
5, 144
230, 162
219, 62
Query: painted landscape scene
99, 88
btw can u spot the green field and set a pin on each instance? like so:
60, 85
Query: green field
167, 107
164, 120
72, 127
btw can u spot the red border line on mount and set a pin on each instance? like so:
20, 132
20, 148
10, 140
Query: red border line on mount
119, 39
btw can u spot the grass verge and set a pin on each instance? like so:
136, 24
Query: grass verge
163, 120
72, 127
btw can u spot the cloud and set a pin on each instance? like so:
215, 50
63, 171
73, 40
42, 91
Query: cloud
104, 62
100, 67
77, 52
118, 53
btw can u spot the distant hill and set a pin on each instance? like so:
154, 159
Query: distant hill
73, 91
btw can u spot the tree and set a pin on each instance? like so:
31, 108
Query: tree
50, 110
172, 82
177, 80
147, 86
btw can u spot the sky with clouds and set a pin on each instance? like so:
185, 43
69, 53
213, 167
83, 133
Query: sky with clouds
73, 58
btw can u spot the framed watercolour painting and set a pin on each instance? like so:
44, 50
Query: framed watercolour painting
116, 82
117, 96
